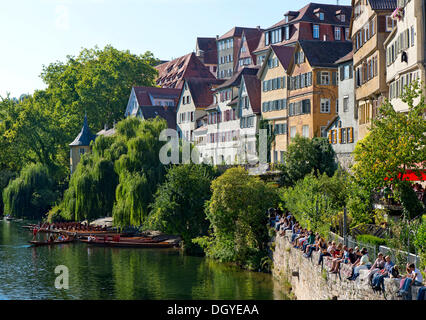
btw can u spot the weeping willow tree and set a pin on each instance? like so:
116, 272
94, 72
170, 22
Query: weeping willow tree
119, 177
140, 171
30, 195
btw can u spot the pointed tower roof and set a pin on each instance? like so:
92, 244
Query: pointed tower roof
85, 136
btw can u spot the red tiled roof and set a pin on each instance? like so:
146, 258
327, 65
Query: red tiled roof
236, 78
209, 47
143, 94
284, 54
201, 90
306, 15
253, 91
346, 58
167, 113
235, 32
172, 74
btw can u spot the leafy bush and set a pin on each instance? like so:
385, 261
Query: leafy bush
238, 219
367, 238
178, 207
305, 156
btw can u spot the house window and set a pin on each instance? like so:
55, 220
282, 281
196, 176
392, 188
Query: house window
323, 132
337, 34
346, 72
412, 36
325, 106
316, 33
305, 131
325, 78
293, 132
343, 18
287, 32
390, 23
282, 156
347, 37
343, 133
345, 104
275, 156
82, 151
321, 16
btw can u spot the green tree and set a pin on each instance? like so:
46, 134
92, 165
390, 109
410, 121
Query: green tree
97, 81
306, 155
179, 202
119, 177
237, 212
310, 203
30, 195
395, 143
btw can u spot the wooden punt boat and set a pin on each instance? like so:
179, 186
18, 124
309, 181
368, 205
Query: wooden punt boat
125, 244
47, 243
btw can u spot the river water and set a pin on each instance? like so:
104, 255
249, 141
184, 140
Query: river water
117, 273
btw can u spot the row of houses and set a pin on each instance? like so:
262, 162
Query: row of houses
322, 71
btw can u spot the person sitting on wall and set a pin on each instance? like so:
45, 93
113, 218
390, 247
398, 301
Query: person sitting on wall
377, 282
343, 255
378, 265
364, 263
310, 241
413, 278
325, 252
301, 237
320, 244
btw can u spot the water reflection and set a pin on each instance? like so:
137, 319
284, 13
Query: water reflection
111, 273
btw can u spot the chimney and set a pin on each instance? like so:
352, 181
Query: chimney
258, 28
217, 37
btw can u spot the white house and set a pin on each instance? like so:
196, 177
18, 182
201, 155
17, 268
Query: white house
222, 144
405, 50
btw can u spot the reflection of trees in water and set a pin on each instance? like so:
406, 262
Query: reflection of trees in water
113, 273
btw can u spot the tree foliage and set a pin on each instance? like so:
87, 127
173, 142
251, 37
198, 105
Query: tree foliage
238, 219
30, 195
395, 143
305, 156
179, 202
119, 177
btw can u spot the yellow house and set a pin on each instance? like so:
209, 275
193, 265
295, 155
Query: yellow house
313, 88
371, 24
81, 145
273, 78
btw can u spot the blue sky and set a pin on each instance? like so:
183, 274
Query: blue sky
38, 32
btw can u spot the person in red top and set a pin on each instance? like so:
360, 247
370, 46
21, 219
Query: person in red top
35, 231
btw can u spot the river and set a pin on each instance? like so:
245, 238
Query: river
100, 273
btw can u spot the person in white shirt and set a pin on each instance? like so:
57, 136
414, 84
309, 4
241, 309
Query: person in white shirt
414, 277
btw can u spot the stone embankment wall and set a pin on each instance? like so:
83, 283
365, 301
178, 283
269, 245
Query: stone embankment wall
310, 281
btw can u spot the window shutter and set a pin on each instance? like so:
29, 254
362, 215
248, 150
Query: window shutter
342, 73
340, 135
330, 137
351, 72
351, 135
318, 77
334, 77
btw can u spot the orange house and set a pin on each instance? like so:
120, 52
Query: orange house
313, 91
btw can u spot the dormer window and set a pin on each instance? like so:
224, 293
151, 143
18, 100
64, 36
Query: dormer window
319, 14
343, 18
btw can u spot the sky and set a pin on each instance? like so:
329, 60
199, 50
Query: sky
34, 33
